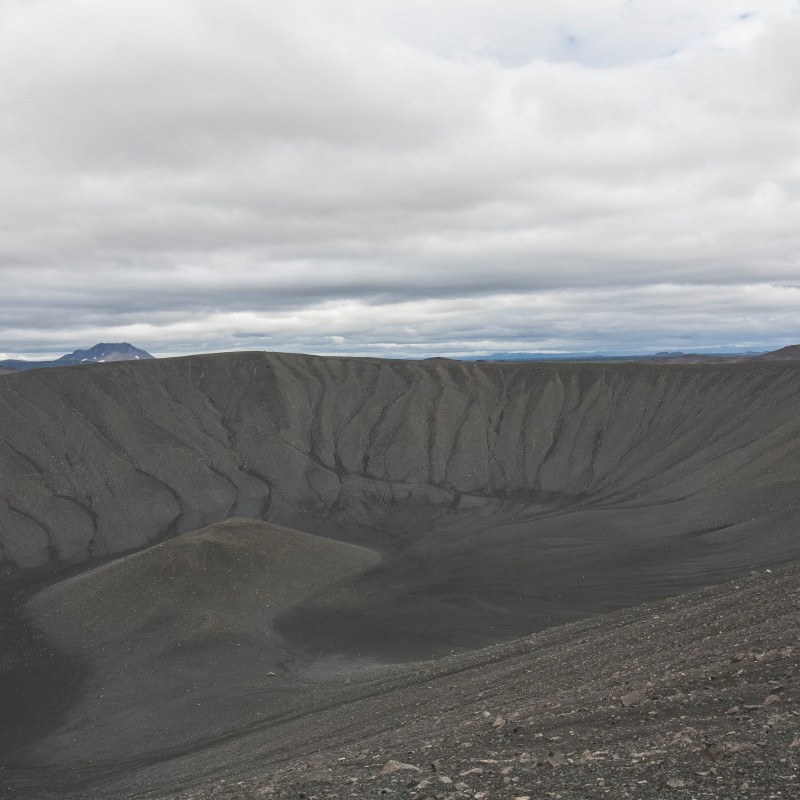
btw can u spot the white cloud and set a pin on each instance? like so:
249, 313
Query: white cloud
348, 176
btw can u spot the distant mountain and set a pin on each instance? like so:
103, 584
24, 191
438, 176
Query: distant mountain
104, 352
789, 353
673, 356
98, 354
701, 358
578, 356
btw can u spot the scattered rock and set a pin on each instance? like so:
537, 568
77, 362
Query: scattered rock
317, 776
632, 699
716, 751
553, 760
396, 766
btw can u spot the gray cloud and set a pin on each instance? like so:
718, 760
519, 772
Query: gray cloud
389, 179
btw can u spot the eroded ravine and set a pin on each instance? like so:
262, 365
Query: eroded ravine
110, 458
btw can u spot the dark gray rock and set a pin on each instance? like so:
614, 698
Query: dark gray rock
102, 460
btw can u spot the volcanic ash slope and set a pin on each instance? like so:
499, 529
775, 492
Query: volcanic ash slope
505, 498
102, 459
179, 638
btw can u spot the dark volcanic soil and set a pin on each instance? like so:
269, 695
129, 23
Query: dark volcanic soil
697, 696
179, 637
103, 459
38, 683
431, 510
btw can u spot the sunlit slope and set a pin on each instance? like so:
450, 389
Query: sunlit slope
108, 458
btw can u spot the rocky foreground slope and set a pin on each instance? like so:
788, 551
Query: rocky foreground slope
694, 697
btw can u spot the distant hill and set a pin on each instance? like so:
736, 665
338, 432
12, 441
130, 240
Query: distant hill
100, 353
790, 353
6, 370
700, 358
673, 356
784, 354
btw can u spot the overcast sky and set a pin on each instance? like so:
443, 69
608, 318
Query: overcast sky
399, 178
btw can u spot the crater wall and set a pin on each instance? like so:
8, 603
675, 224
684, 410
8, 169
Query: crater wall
102, 459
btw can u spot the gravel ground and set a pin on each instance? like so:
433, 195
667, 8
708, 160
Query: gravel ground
693, 697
